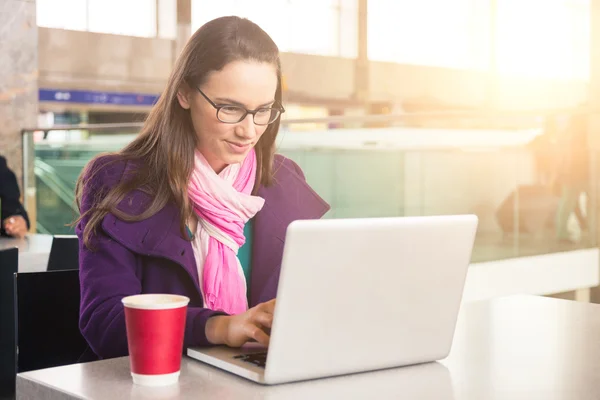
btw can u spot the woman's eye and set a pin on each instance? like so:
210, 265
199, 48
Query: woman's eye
231, 109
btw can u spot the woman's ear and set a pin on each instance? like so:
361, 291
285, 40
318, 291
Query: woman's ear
183, 96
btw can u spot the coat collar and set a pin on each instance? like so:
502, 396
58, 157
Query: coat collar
289, 198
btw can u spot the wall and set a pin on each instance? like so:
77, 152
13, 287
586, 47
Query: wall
470, 88
94, 61
18, 77
515, 93
87, 60
318, 76
389, 81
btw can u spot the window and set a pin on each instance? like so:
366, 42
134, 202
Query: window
529, 38
543, 38
323, 27
131, 17
62, 14
440, 33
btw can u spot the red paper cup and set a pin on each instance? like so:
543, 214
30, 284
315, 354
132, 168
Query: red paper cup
155, 329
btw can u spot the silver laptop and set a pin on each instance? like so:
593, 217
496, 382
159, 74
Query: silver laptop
359, 295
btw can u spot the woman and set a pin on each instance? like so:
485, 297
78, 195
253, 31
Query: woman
168, 213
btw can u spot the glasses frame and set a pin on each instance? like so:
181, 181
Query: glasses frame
218, 108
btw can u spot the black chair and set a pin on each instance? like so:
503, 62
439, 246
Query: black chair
47, 323
64, 253
9, 262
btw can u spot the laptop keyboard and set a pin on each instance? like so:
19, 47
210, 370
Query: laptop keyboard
258, 359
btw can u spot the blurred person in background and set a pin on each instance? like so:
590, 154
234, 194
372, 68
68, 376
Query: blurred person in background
15, 221
545, 151
572, 176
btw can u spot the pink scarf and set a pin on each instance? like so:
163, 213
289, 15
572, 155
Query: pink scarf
224, 204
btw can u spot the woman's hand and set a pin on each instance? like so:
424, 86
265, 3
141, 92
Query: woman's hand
236, 330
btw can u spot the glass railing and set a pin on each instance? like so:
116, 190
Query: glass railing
512, 184
52, 161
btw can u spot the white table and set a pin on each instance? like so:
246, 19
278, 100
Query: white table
34, 250
515, 348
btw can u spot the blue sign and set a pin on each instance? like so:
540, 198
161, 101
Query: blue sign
89, 97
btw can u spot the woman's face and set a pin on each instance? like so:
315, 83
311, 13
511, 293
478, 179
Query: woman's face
249, 84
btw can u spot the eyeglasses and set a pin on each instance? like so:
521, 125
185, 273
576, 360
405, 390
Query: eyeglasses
232, 114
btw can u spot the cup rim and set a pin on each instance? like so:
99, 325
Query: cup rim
146, 302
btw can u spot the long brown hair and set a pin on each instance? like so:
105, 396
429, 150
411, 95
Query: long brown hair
165, 146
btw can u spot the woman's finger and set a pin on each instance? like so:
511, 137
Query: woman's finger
254, 332
264, 319
268, 307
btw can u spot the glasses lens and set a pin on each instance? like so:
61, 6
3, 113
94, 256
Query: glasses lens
265, 116
231, 114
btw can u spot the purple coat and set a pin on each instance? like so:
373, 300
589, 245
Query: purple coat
151, 256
